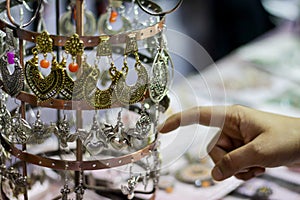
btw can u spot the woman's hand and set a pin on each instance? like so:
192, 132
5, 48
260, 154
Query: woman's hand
250, 140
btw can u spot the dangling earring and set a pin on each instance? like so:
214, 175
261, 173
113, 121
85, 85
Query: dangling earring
20, 129
97, 98
95, 141
74, 89
12, 83
160, 76
44, 87
134, 93
40, 131
67, 21
114, 15
142, 126
5, 118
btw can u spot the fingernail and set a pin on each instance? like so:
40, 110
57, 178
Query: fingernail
217, 174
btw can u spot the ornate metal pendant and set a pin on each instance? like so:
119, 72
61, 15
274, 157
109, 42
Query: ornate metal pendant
12, 83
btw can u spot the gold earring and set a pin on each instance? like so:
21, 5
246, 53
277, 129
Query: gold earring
97, 98
44, 87
129, 94
74, 89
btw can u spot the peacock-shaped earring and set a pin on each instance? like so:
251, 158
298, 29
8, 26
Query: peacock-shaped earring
97, 98
129, 94
12, 83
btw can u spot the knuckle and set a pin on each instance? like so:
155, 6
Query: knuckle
228, 163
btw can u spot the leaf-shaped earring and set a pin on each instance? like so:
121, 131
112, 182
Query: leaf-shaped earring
129, 94
97, 98
74, 89
160, 76
12, 83
44, 87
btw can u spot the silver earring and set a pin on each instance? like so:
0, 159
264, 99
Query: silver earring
5, 118
119, 139
20, 129
12, 83
62, 132
160, 77
114, 15
95, 141
67, 21
40, 131
131, 185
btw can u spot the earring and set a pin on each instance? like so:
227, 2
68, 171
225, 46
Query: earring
118, 139
40, 132
20, 129
142, 126
74, 46
5, 118
126, 94
109, 23
74, 89
160, 77
62, 132
131, 185
97, 98
44, 87
67, 24
12, 83
95, 141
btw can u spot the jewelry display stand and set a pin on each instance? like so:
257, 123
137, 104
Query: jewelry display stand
147, 98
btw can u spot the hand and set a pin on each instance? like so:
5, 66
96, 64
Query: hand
250, 140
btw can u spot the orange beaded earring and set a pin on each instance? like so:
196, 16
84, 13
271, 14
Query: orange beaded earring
45, 46
74, 46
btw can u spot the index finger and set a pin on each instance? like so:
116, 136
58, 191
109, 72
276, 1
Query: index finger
205, 115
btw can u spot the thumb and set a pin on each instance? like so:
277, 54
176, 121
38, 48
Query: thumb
236, 161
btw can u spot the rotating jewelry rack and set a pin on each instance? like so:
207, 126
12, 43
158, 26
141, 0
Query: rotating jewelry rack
151, 91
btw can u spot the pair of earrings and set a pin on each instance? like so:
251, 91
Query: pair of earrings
47, 87
118, 91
